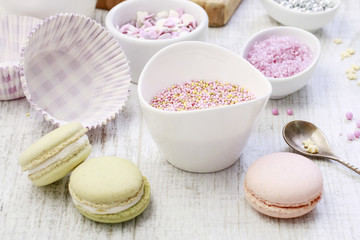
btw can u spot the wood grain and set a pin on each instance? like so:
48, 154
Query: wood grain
107, 4
219, 11
201, 206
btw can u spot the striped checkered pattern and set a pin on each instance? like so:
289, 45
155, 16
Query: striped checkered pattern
13, 34
74, 70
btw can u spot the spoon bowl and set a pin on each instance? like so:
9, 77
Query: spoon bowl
295, 132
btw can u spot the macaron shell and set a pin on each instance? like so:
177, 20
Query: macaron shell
49, 142
57, 171
123, 216
106, 181
278, 212
284, 179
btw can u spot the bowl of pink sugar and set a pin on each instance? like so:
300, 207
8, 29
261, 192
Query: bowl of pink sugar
287, 56
200, 103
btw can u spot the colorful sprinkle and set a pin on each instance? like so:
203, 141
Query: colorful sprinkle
280, 56
350, 51
308, 142
337, 41
351, 76
312, 149
351, 72
355, 67
350, 136
344, 55
194, 95
275, 111
289, 112
349, 115
357, 133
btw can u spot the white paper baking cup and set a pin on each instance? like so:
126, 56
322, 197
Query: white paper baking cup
72, 69
13, 33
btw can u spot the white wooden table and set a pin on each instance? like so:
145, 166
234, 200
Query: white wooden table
201, 206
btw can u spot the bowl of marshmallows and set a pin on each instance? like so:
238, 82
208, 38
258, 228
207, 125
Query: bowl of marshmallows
144, 27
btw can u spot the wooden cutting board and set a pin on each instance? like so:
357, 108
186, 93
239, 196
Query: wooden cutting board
219, 11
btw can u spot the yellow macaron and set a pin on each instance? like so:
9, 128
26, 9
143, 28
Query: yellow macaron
56, 154
109, 189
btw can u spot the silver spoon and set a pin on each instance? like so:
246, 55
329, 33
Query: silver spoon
297, 131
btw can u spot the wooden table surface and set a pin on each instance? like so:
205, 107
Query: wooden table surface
201, 206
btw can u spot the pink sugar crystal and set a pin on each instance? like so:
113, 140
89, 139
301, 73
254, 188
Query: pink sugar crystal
280, 56
194, 95
289, 112
350, 136
349, 115
275, 111
357, 133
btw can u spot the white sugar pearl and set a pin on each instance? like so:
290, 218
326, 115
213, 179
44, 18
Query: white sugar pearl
160, 23
140, 17
162, 14
175, 28
177, 20
187, 19
173, 13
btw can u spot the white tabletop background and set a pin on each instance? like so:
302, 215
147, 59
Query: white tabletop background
201, 206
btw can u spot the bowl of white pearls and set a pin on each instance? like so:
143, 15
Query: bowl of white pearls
309, 15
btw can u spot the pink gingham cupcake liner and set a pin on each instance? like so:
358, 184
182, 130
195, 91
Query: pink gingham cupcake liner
72, 69
13, 34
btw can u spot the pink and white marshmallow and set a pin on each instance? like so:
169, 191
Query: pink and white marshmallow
162, 25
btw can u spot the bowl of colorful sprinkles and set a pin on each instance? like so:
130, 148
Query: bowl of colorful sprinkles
200, 103
310, 15
287, 56
144, 27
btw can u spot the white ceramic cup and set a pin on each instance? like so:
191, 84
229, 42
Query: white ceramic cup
139, 51
45, 8
204, 140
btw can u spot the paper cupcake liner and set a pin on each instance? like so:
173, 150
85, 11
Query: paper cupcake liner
72, 69
13, 34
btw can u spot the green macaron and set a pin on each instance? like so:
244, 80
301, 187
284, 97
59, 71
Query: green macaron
109, 189
56, 154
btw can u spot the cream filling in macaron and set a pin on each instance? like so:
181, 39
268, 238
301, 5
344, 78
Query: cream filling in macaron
68, 150
110, 210
283, 205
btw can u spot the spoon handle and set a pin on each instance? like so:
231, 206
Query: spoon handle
352, 167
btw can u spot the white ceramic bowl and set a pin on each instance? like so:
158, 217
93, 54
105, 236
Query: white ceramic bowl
139, 51
283, 87
201, 140
46, 8
308, 21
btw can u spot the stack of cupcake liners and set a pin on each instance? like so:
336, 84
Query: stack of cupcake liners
72, 69
14, 31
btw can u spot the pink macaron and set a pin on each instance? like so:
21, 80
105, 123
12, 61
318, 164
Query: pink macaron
283, 185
